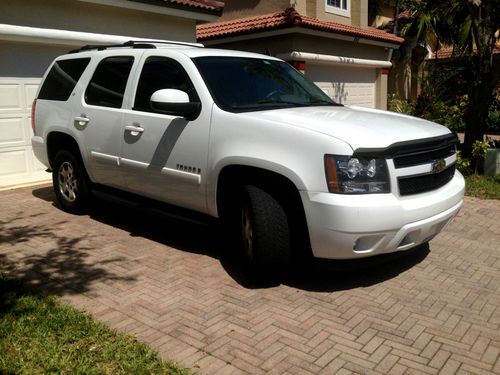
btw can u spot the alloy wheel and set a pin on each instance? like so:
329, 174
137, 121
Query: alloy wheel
68, 183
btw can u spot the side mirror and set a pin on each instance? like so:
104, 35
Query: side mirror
175, 103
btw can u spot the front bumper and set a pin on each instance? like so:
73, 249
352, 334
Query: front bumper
356, 226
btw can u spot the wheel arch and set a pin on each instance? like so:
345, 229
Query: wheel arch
246, 168
233, 177
57, 140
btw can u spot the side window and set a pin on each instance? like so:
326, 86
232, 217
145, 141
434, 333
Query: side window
107, 86
62, 79
161, 73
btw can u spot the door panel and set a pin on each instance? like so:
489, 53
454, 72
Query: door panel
166, 157
99, 117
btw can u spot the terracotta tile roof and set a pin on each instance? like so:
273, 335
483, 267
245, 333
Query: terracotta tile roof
447, 52
286, 19
212, 6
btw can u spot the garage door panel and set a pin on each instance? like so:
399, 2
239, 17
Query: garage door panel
12, 131
346, 85
17, 162
13, 162
30, 94
11, 98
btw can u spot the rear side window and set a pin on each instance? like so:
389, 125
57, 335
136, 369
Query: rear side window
62, 79
107, 86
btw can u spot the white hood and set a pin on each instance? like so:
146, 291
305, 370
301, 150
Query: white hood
359, 127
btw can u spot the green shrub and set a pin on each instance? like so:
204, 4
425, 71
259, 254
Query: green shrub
401, 105
493, 121
456, 123
463, 164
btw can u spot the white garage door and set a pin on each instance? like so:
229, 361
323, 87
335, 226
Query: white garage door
346, 85
17, 163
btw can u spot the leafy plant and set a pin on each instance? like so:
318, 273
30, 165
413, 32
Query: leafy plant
401, 105
463, 164
479, 150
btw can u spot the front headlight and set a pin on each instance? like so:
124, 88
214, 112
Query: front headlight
351, 175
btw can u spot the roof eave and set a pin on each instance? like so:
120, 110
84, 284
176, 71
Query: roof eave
168, 9
297, 30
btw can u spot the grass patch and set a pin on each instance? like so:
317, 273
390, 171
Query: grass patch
40, 335
485, 187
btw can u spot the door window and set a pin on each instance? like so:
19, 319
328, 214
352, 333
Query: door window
161, 73
107, 86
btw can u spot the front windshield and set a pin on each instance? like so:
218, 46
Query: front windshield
240, 84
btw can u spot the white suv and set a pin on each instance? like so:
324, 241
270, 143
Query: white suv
246, 138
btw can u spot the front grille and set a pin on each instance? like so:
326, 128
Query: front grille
423, 183
424, 152
422, 156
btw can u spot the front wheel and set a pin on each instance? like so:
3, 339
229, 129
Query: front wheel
265, 234
71, 184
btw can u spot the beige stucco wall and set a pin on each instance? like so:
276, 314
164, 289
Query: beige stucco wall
363, 13
276, 45
234, 9
311, 7
27, 60
88, 17
356, 13
381, 89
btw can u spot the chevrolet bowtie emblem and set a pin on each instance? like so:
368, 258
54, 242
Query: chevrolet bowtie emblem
438, 165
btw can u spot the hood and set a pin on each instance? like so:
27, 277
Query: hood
359, 127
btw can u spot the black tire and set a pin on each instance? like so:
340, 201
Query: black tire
70, 181
265, 234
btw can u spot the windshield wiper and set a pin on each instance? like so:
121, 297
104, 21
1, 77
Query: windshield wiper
325, 102
273, 101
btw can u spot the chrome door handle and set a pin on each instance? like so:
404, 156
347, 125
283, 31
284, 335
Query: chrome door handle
81, 120
134, 128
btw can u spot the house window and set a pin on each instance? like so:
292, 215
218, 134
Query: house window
340, 7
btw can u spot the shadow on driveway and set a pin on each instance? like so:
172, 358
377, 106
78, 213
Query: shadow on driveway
321, 276
48, 254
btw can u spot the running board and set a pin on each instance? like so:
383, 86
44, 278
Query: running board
153, 207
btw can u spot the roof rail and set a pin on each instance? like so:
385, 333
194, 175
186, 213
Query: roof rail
135, 44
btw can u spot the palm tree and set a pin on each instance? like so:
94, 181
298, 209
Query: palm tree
469, 27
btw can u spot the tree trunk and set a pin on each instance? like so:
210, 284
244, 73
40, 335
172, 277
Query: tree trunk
485, 76
480, 99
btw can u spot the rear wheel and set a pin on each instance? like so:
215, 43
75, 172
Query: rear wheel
265, 235
71, 184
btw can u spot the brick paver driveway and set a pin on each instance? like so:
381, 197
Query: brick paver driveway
169, 284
